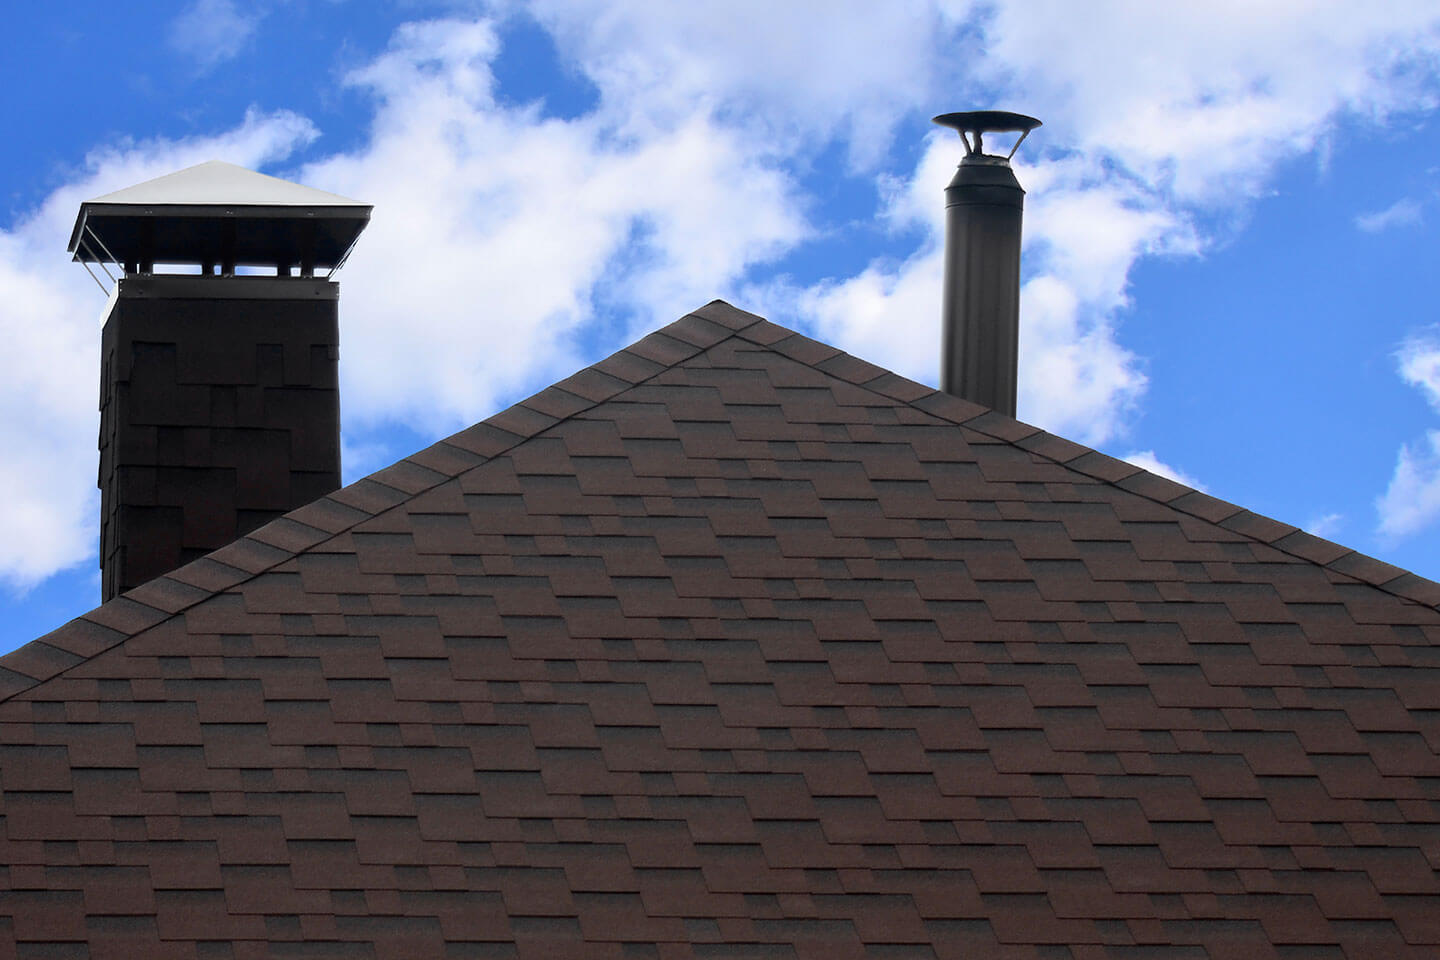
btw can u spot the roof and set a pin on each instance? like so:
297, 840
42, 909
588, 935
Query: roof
735, 645
213, 210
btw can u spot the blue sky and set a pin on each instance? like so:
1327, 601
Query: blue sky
1230, 234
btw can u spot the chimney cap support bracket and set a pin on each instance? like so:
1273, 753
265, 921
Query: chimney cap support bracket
980, 122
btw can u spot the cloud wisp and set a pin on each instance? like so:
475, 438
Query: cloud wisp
209, 32
1411, 501
1326, 525
1402, 213
1146, 460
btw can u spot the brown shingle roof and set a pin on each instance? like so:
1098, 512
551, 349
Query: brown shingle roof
735, 645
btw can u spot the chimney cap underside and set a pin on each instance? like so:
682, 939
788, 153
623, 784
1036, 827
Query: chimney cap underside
987, 121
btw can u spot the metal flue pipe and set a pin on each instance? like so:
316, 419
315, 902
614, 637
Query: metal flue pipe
984, 206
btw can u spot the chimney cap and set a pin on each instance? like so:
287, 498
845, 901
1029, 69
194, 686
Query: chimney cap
218, 212
979, 122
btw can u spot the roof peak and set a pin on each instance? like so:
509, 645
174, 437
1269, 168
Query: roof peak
281, 541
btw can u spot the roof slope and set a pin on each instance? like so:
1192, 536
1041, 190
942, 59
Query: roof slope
735, 645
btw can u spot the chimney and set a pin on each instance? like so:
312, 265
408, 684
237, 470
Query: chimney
981, 314
219, 400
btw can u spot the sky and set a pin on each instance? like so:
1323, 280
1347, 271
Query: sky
1232, 218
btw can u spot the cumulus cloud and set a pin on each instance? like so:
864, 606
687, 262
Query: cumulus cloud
842, 68
1200, 101
1146, 460
1411, 502
1158, 118
50, 313
212, 31
497, 232
1402, 213
500, 234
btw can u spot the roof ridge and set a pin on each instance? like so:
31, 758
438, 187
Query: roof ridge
285, 537
1282, 537
282, 539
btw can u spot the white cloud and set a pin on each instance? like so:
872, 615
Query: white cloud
1146, 460
1412, 501
212, 31
815, 70
889, 317
1158, 117
1326, 526
499, 233
1419, 361
49, 370
1402, 213
496, 232
1081, 236
360, 459
1200, 100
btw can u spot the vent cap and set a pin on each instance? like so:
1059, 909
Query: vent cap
977, 123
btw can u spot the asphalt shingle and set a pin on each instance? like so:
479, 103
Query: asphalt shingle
733, 645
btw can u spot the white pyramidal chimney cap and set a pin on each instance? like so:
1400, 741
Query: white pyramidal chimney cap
217, 212
216, 182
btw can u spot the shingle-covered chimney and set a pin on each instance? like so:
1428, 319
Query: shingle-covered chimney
219, 400
981, 315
